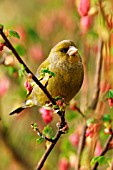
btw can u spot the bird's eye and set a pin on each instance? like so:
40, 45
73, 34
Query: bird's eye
64, 50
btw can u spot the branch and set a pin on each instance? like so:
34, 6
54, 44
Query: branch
81, 146
80, 112
105, 149
39, 133
95, 97
10, 46
62, 129
47, 152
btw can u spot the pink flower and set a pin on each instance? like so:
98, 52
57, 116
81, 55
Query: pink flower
73, 105
74, 139
47, 115
83, 7
91, 130
4, 85
63, 164
28, 86
85, 23
98, 149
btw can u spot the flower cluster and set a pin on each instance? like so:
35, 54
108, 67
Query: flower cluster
83, 10
47, 114
91, 130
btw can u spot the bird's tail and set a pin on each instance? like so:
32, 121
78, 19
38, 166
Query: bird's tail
17, 111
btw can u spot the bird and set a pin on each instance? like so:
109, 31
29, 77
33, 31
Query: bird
65, 62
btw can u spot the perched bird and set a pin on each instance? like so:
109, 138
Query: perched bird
66, 63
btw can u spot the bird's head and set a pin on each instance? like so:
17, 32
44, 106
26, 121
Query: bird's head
65, 50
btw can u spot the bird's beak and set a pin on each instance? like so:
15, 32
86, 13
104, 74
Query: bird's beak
72, 50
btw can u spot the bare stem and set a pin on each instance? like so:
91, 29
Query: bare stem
47, 152
94, 100
80, 112
81, 146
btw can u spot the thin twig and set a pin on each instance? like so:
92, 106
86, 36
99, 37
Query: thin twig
80, 112
57, 137
39, 133
10, 46
49, 149
81, 146
105, 149
95, 97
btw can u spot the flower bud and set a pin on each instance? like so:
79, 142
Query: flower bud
47, 115
83, 7
63, 164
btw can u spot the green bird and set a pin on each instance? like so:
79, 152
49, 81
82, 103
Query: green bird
66, 64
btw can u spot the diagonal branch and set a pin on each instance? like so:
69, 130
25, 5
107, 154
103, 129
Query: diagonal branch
95, 97
47, 152
10, 46
61, 130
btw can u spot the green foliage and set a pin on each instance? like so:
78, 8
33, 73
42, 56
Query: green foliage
106, 118
13, 33
40, 140
90, 121
110, 94
48, 131
21, 70
46, 70
101, 160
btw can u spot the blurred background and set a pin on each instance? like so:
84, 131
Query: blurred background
42, 24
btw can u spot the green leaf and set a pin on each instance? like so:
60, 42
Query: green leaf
48, 131
20, 49
13, 33
100, 159
21, 70
40, 140
94, 161
106, 118
110, 94
58, 98
90, 121
46, 70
